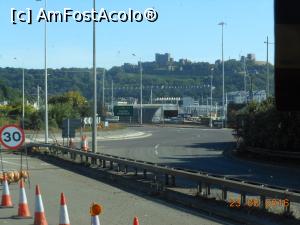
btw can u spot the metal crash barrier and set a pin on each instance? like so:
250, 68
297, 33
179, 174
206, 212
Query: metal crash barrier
265, 194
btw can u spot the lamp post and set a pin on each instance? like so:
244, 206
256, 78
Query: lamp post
23, 95
141, 90
223, 74
211, 82
268, 69
46, 80
94, 133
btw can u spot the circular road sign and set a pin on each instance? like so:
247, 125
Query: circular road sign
12, 136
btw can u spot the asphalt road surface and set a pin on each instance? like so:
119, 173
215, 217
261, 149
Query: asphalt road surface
119, 206
200, 149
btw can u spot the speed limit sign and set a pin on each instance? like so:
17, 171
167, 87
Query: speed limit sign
12, 136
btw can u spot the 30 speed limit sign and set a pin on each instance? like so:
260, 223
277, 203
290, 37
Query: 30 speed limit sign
12, 136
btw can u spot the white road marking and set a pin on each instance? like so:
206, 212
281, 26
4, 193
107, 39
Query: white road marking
11, 163
155, 149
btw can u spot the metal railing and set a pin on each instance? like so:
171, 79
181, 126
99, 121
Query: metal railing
224, 184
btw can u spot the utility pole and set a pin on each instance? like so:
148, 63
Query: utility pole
94, 135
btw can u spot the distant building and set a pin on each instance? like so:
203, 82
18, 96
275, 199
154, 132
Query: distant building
184, 61
163, 59
129, 68
251, 57
240, 97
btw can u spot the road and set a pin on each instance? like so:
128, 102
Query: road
200, 149
119, 206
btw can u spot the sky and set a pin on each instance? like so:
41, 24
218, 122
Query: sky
185, 29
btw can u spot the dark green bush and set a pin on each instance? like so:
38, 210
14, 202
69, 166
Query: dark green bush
261, 125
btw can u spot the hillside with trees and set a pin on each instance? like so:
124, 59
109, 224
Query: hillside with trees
190, 80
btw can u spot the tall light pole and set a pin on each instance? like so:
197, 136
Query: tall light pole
211, 82
103, 91
268, 70
46, 81
23, 95
38, 97
112, 96
141, 72
94, 135
46, 77
223, 75
141, 90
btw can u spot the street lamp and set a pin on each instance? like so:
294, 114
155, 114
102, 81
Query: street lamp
223, 71
23, 95
268, 70
211, 82
141, 90
46, 79
94, 135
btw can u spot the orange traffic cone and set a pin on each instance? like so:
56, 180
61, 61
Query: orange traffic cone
6, 199
95, 210
136, 221
95, 220
84, 143
39, 214
63, 215
23, 211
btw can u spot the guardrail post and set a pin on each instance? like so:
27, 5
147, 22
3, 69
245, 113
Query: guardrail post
199, 189
167, 179
81, 158
287, 206
86, 159
173, 180
135, 171
155, 179
243, 199
111, 165
145, 173
224, 193
103, 164
262, 202
207, 190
